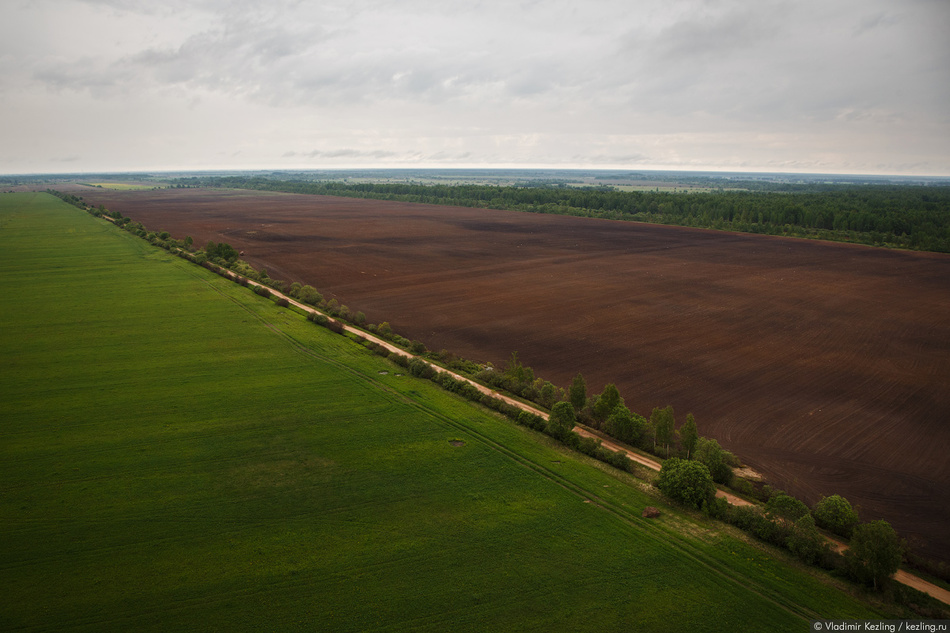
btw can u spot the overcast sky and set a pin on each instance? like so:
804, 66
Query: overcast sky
840, 86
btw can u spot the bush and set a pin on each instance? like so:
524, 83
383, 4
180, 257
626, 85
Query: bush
323, 321
470, 392
262, 291
717, 508
746, 518
806, 542
711, 454
399, 359
309, 294
771, 532
377, 349
570, 439
448, 382
743, 486
508, 410
531, 421
283, 303
421, 369
686, 481
785, 508
620, 461
589, 446
835, 513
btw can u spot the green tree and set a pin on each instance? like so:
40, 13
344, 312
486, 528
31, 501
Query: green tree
689, 435
686, 481
836, 514
577, 394
548, 394
562, 420
662, 421
710, 453
875, 552
608, 401
626, 426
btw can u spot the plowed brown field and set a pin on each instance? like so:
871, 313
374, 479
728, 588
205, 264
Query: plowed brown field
824, 366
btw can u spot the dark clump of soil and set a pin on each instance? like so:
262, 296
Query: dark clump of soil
457, 442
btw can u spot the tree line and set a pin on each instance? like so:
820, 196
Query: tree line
901, 216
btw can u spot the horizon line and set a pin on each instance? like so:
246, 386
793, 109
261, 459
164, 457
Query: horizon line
476, 167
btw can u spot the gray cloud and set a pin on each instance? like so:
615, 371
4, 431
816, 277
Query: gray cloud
603, 82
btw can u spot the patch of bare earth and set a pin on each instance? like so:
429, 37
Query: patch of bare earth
824, 366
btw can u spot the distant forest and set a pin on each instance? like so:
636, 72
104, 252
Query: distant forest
897, 216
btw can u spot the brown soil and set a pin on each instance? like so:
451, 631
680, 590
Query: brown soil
824, 366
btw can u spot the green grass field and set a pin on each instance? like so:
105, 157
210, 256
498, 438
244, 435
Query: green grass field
177, 453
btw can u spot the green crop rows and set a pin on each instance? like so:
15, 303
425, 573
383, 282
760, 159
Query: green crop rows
177, 453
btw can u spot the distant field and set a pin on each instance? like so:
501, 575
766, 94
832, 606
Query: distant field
120, 186
825, 366
177, 453
666, 186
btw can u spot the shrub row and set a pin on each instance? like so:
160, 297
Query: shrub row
322, 320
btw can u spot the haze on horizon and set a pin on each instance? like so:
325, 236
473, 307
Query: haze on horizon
852, 86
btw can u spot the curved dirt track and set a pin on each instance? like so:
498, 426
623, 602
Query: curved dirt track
824, 366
